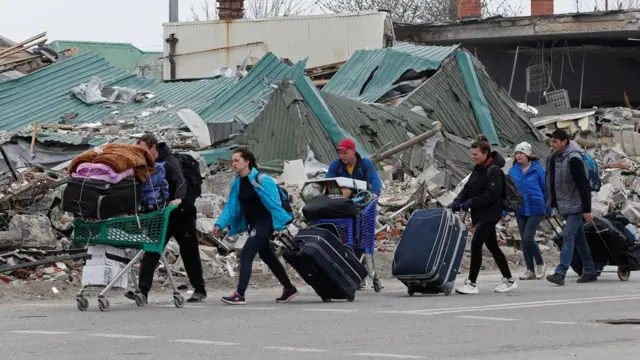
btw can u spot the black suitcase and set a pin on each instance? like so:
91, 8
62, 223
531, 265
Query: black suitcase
329, 207
100, 200
327, 265
429, 253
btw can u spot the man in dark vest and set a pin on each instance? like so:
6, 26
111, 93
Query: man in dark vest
568, 191
352, 165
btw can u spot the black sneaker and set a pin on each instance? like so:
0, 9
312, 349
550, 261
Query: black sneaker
287, 295
556, 279
234, 299
197, 297
132, 295
587, 278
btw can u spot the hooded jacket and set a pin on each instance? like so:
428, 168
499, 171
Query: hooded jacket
269, 195
364, 170
175, 177
484, 190
532, 186
567, 183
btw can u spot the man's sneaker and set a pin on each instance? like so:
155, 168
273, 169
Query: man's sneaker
287, 295
507, 285
556, 279
132, 296
197, 297
235, 299
528, 275
587, 278
541, 271
468, 288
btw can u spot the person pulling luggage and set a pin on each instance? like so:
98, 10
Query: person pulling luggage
529, 177
182, 224
254, 205
483, 194
568, 191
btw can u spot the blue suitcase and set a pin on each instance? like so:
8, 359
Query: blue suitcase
429, 253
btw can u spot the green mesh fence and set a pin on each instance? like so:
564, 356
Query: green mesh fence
146, 232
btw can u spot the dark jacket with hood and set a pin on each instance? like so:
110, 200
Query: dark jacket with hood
175, 177
484, 190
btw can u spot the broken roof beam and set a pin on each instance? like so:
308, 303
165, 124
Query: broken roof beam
21, 45
404, 146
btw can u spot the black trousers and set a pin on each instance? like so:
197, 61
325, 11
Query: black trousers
182, 226
485, 233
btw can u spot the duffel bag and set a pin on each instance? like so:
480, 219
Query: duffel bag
329, 207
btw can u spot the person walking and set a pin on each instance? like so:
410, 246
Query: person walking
529, 177
254, 205
568, 191
182, 224
483, 194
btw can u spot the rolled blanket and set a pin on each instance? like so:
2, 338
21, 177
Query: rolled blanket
118, 157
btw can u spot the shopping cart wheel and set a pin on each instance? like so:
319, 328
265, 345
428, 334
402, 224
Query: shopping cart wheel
103, 304
411, 292
326, 299
82, 302
447, 292
377, 286
624, 274
141, 300
178, 301
351, 298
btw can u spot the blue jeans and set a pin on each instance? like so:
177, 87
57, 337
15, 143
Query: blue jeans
530, 250
573, 237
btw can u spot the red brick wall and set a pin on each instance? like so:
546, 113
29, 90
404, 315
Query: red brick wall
541, 7
230, 9
469, 8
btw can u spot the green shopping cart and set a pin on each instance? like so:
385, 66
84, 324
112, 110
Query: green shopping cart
145, 232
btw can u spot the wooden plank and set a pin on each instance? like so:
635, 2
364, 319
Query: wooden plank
21, 44
17, 61
14, 51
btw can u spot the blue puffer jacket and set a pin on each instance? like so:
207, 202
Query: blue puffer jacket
532, 187
269, 195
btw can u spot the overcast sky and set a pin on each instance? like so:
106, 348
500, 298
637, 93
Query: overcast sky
132, 21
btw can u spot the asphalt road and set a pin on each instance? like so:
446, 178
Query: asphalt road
537, 321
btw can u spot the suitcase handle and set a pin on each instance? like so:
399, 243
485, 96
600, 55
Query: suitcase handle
287, 241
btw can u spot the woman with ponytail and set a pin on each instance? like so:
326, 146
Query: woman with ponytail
483, 194
254, 205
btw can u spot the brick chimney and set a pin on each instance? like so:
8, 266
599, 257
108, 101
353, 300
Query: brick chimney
541, 7
470, 9
230, 9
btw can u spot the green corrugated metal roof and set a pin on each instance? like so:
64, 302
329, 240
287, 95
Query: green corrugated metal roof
247, 97
444, 98
123, 55
44, 95
369, 74
288, 125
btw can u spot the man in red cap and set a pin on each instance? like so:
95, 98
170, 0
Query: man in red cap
352, 165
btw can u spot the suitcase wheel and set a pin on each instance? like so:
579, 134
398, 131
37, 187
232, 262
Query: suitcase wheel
623, 274
351, 298
326, 299
411, 292
447, 292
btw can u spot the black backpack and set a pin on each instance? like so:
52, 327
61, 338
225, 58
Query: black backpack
285, 200
191, 172
511, 198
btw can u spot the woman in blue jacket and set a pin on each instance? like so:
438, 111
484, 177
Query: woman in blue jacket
529, 177
254, 205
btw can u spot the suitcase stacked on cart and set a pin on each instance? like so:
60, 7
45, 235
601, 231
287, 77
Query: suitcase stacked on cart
429, 253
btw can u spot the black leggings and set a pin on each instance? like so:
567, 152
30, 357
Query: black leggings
259, 242
485, 233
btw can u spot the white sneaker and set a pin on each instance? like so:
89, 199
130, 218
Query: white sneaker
507, 285
541, 271
468, 288
528, 275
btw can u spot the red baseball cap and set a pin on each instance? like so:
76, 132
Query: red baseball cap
347, 144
